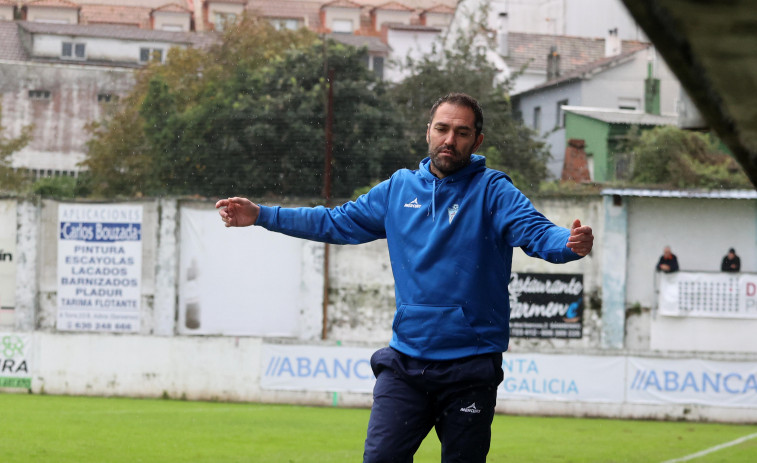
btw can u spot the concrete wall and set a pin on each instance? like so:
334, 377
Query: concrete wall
361, 288
700, 238
158, 361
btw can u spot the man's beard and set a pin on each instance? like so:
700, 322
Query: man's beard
448, 167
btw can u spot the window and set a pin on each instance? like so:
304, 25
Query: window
39, 94
284, 24
378, 66
106, 97
342, 25
223, 19
560, 120
631, 104
150, 54
537, 119
73, 50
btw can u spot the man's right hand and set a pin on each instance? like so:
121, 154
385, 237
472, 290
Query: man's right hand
238, 212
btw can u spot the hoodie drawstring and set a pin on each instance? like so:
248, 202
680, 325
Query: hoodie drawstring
433, 203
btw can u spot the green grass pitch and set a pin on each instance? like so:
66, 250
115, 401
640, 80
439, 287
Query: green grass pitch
41, 428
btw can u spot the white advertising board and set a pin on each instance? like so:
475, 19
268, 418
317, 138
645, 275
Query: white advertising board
312, 368
99, 267
692, 381
562, 377
237, 281
7, 254
15, 352
718, 295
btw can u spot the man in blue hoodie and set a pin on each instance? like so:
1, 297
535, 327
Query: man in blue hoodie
451, 227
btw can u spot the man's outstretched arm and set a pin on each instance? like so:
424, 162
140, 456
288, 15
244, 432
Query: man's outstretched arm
238, 212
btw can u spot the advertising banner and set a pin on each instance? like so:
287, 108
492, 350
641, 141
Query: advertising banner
15, 352
237, 281
7, 254
540, 377
546, 305
309, 368
692, 381
563, 378
697, 294
99, 267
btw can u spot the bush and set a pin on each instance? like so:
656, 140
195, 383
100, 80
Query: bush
675, 158
57, 187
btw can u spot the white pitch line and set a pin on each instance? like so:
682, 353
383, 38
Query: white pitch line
713, 449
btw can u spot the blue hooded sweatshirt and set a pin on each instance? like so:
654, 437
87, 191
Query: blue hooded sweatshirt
450, 243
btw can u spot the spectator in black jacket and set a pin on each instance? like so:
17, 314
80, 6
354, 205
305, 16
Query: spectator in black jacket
731, 262
668, 262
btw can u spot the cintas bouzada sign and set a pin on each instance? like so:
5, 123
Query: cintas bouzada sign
99, 267
546, 305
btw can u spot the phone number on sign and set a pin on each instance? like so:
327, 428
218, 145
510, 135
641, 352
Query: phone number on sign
100, 326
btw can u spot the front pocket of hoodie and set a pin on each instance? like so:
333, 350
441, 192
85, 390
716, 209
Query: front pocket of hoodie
425, 327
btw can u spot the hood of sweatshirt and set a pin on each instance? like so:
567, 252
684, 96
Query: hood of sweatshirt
477, 164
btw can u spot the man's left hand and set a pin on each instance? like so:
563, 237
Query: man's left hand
581, 238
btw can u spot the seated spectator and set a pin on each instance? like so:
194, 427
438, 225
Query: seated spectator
731, 262
668, 262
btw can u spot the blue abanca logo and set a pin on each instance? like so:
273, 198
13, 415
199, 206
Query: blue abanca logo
699, 382
305, 367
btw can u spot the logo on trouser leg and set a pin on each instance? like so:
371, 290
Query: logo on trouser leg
470, 409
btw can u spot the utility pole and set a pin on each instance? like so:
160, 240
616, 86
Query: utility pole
327, 179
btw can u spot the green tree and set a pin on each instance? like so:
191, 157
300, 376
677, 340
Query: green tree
247, 117
671, 157
463, 67
9, 178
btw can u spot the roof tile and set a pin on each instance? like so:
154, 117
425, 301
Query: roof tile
124, 15
111, 31
10, 46
173, 8
53, 4
393, 6
532, 50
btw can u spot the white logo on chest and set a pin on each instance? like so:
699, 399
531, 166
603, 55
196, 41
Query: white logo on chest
452, 211
413, 204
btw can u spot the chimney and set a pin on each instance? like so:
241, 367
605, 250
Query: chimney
553, 63
575, 166
612, 43
502, 44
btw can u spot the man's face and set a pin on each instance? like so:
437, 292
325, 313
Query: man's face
451, 138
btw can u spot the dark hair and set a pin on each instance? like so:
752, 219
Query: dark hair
461, 99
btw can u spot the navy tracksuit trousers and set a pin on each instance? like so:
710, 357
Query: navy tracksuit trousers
412, 396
